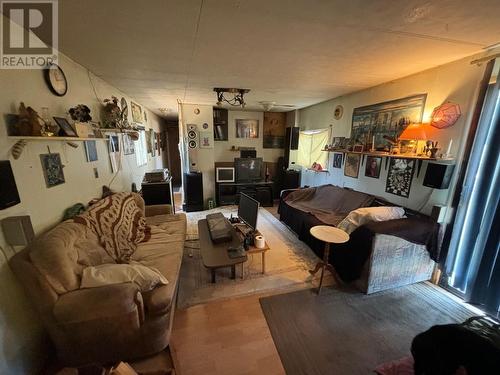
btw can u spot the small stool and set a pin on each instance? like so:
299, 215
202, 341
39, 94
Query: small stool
328, 235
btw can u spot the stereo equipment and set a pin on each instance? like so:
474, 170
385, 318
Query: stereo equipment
9, 195
291, 142
248, 153
193, 192
156, 175
438, 176
192, 143
18, 230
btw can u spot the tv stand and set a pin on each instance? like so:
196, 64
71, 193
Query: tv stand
228, 193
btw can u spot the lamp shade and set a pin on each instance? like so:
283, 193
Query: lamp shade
418, 132
445, 115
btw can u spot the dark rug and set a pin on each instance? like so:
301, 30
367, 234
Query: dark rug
347, 332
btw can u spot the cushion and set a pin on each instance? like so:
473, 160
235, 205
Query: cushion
146, 278
357, 218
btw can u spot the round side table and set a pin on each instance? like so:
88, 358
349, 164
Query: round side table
329, 235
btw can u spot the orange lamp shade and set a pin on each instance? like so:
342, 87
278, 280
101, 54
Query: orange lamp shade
418, 132
445, 115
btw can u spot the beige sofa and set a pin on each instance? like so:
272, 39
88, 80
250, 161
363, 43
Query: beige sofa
105, 324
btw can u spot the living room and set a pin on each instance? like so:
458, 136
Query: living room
341, 188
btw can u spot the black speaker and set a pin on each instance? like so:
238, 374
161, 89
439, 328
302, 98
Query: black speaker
292, 137
291, 179
248, 153
438, 176
9, 195
193, 192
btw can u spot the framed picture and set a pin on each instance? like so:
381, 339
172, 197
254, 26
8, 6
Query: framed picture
149, 141
206, 140
337, 159
152, 134
351, 167
52, 169
337, 142
90, 150
388, 118
372, 168
400, 176
247, 128
114, 154
136, 112
273, 130
66, 128
357, 148
128, 145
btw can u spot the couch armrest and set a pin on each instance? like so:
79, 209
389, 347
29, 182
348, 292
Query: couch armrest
158, 209
285, 192
99, 303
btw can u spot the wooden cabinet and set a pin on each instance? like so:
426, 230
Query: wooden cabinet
221, 129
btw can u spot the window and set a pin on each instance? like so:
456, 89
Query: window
141, 152
311, 142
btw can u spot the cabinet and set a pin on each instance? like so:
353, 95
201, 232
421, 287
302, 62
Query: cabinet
221, 130
228, 193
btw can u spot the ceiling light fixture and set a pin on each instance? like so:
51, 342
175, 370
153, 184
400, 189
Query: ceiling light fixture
236, 101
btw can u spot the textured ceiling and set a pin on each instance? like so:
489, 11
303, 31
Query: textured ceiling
297, 52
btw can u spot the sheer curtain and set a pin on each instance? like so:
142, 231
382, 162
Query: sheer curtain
311, 142
473, 262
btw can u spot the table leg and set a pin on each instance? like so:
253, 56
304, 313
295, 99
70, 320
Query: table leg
213, 275
233, 272
263, 262
324, 265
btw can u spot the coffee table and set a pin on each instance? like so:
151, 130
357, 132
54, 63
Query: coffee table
215, 256
328, 235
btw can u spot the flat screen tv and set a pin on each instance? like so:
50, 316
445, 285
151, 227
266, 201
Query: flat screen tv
248, 211
248, 169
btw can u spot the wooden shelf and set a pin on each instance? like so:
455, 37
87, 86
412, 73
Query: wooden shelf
400, 156
117, 130
43, 139
321, 171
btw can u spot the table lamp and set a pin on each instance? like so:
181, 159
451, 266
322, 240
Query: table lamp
417, 132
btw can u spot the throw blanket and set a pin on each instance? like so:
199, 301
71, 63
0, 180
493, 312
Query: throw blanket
328, 203
119, 224
348, 258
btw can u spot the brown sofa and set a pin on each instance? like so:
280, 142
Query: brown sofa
105, 324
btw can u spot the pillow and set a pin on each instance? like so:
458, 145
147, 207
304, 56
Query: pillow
146, 278
357, 218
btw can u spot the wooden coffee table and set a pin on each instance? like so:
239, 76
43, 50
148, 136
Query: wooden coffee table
215, 256
255, 250
328, 235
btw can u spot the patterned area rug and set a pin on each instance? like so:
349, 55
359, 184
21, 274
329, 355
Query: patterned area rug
287, 264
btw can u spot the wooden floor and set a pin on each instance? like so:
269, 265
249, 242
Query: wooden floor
226, 337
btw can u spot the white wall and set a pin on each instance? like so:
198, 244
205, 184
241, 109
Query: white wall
222, 148
457, 82
20, 333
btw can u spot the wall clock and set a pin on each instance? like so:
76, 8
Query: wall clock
338, 112
56, 80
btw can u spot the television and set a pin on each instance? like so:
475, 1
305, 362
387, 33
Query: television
248, 169
224, 174
248, 211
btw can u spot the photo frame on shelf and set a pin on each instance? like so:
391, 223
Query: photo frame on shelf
358, 148
351, 165
66, 128
373, 166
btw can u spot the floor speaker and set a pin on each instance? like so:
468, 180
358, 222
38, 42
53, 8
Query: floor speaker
193, 192
438, 176
193, 145
9, 195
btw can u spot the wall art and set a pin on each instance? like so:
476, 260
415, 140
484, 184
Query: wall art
373, 165
351, 167
247, 128
337, 159
136, 112
52, 169
90, 150
400, 176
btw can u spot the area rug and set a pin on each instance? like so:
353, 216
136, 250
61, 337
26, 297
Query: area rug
347, 332
287, 264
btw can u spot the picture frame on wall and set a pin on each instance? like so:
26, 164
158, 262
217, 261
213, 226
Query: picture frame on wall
373, 166
400, 176
114, 152
128, 145
338, 157
206, 140
90, 150
52, 169
247, 128
351, 165
136, 112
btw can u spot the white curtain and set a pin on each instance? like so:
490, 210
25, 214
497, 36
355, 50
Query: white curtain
310, 145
